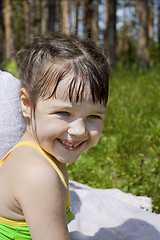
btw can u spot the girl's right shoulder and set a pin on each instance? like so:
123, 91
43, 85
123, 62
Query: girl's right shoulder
26, 162
30, 170
39, 193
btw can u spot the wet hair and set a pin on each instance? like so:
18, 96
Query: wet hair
52, 58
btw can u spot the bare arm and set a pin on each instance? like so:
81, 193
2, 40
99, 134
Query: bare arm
42, 198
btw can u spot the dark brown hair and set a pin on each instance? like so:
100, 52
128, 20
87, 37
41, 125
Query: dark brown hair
51, 58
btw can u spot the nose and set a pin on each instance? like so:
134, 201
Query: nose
77, 127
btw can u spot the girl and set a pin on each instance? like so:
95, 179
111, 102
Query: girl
63, 95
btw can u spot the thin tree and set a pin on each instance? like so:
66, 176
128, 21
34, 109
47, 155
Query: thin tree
44, 16
70, 6
124, 35
106, 13
95, 21
59, 15
64, 5
88, 15
127, 32
38, 18
18, 23
52, 16
159, 28
29, 19
9, 37
150, 18
142, 49
110, 34
131, 32
77, 17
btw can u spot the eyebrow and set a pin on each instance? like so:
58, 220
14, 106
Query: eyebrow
69, 106
72, 107
101, 112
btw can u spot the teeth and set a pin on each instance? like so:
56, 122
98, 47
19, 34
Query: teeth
70, 145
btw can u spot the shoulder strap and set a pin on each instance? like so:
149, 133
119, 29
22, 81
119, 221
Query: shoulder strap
46, 156
4, 158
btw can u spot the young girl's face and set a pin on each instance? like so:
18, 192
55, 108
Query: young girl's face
65, 130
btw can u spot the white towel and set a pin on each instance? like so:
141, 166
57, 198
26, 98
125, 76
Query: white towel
101, 212
11, 121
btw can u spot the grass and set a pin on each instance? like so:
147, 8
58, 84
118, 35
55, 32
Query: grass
117, 234
128, 154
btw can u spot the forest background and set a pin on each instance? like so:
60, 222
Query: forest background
128, 154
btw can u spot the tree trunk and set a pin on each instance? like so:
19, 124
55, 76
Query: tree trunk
59, 15
9, 37
29, 19
110, 35
94, 22
159, 29
131, 50
44, 16
70, 6
106, 13
127, 34
125, 42
150, 18
142, 50
18, 23
88, 13
38, 18
64, 16
77, 19
1, 32
52, 16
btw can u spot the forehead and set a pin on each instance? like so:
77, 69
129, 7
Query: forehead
64, 104
61, 98
69, 87
74, 81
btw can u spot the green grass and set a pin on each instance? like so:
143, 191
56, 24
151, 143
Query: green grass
128, 154
10, 67
117, 234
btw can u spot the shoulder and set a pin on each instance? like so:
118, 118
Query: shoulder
32, 164
40, 194
32, 172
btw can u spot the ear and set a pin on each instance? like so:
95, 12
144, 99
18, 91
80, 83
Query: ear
25, 104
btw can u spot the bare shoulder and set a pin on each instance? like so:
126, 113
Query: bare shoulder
28, 172
31, 168
41, 195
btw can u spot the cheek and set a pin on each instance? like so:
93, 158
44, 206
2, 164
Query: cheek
95, 131
51, 127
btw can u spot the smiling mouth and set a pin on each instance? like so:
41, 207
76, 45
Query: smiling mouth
71, 145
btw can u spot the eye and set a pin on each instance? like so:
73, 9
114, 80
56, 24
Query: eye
63, 113
94, 117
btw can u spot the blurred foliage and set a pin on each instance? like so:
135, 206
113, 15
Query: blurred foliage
128, 154
10, 67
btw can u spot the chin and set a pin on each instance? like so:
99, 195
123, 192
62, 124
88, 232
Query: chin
67, 160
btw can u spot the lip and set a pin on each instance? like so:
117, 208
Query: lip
71, 145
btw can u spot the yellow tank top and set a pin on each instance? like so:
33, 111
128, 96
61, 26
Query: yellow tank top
18, 230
